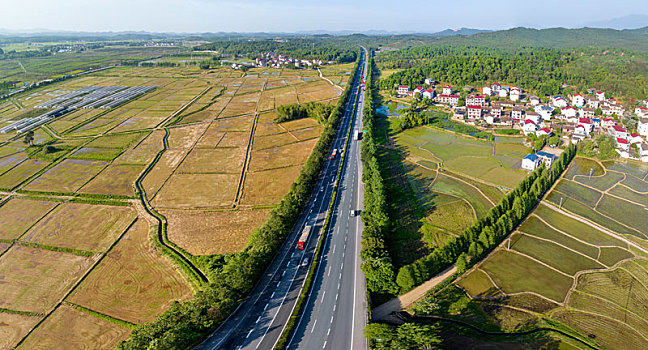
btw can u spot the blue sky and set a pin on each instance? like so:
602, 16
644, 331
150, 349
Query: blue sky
291, 15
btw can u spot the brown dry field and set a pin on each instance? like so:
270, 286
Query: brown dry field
189, 191
268, 187
133, 282
294, 125
161, 171
145, 151
3, 247
217, 160
240, 123
275, 140
14, 327
235, 139
17, 215
67, 176
209, 113
307, 133
211, 138
239, 105
292, 154
34, 280
81, 226
204, 232
286, 98
115, 179
186, 136
271, 99
68, 328
138, 123
317, 91
21, 172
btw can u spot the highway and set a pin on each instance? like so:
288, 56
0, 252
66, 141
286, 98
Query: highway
334, 314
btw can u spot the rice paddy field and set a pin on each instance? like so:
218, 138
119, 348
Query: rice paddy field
454, 179
75, 243
583, 251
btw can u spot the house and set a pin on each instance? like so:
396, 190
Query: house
430, 81
496, 112
593, 102
617, 109
502, 92
496, 87
534, 100
607, 123
517, 113
529, 127
600, 95
452, 100
403, 89
543, 132
559, 102
515, 94
544, 111
547, 158
535, 117
569, 111
578, 100
429, 93
474, 111
581, 129
491, 119
596, 122
576, 138
587, 112
476, 100
619, 132
643, 152
486, 90
622, 143
606, 110
635, 138
641, 111
642, 126
447, 90
587, 123
531, 162
418, 90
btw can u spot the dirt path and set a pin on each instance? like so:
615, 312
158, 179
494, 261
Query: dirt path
384, 312
329, 81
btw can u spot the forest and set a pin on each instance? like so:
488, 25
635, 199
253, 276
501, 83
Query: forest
544, 71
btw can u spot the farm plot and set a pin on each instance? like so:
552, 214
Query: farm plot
213, 161
19, 173
76, 330
14, 328
35, 279
81, 226
114, 180
278, 157
240, 105
67, 176
17, 215
268, 186
144, 152
213, 232
133, 282
198, 191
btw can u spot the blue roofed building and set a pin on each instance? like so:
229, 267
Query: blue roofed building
531, 162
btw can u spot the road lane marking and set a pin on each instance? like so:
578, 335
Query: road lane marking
257, 321
272, 296
248, 335
314, 324
323, 294
266, 307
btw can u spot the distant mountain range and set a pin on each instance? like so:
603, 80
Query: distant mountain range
625, 22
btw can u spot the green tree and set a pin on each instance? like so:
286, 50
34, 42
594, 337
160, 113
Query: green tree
29, 138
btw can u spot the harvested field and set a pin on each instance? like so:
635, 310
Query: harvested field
133, 282
234, 139
144, 152
18, 215
268, 187
22, 171
115, 179
68, 328
307, 133
11, 161
4, 247
14, 327
299, 124
275, 140
198, 191
35, 279
186, 136
242, 123
239, 105
161, 171
218, 160
205, 232
292, 154
67, 176
81, 226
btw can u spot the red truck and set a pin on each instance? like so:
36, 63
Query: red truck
334, 153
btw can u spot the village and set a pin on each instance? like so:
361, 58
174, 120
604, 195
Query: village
271, 60
573, 118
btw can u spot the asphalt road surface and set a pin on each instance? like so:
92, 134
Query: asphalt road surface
334, 314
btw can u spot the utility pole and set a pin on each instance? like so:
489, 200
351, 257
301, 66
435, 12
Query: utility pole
561, 200
509, 243
590, 174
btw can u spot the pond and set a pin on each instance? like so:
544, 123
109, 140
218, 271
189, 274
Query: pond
391, 109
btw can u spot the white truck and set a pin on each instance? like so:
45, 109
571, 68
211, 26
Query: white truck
357, 135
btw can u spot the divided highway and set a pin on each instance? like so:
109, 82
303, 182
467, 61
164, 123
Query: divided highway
334, 314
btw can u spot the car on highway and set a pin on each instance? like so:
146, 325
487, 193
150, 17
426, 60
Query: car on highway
276, 278
304, 262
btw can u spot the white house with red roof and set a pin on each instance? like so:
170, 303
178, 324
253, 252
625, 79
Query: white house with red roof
635, 138
593, 102
587, 112
529, 127
535, 117
430, 81
578, 100
559, 102
403, 89
418, 90
476, 100
619, 132
569, 111
534, 100
447, 90
486, 90
515, 93
607, 123
600, 95
587, 123
474, 111
502, 93
429, 93
496, 87
622, 143
543, 132
641, 111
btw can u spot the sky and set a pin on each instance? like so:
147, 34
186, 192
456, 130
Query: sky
191, 16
